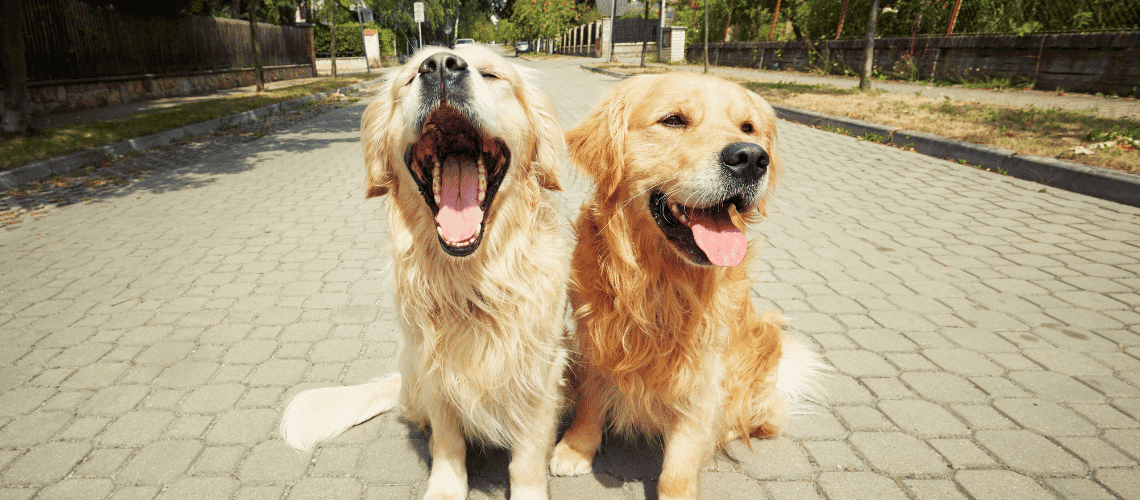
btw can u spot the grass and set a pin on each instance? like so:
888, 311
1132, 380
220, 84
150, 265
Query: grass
1030, 130
16, 150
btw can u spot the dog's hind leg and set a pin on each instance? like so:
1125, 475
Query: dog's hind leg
448, 479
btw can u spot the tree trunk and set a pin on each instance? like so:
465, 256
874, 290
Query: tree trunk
869, 51
16, 113
332, 41
253, 40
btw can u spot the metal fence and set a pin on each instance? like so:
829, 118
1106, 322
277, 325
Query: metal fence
73, 40
635, 30
779, 20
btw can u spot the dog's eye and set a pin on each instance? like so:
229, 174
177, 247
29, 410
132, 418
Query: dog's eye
490, 76
674, 120
746, 128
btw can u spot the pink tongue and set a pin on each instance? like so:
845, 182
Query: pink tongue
459, 213
724, 244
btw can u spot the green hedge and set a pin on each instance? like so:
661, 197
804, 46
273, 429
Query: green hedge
348, 40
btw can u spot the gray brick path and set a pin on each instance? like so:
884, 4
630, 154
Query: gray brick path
985, 333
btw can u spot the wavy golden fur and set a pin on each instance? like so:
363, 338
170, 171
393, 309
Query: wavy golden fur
668, 346
484, 344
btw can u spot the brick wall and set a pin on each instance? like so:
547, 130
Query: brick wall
63, 96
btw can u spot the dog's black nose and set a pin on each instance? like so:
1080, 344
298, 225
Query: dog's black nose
745, 160
445, 62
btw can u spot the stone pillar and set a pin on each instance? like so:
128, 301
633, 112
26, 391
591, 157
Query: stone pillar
606, 34
372, 48
675, 50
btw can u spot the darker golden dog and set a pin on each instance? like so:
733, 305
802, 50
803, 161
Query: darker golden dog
669, 341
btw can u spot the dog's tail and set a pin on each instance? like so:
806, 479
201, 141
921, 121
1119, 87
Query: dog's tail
318, 415
800, 377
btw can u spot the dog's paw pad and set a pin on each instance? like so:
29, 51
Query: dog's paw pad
567, 461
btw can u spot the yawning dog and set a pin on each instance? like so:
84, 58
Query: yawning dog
669, 340
466, 148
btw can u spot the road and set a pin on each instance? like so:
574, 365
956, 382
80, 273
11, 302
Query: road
984, 331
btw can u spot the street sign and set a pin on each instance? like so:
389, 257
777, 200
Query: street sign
418, 10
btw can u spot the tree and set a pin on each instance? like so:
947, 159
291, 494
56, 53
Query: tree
15, 119
869, 51
543, 18
256, 44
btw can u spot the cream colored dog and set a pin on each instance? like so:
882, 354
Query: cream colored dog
465, 147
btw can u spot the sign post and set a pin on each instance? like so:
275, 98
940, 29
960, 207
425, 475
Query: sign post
418, 11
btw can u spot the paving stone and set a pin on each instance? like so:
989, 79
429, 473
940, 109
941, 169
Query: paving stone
770, 459
933, 489
30, 430
923, 418
727, 485
860, 363
1045, 417
943, 387
1122, 482
135, 429
887, 388
1105, 416
1078, 489
245, 427
161, 462
962, 453
898, 454
1056, 387
88, 489
218, 460
212, 399
962, 361
45, 463
1096, 452
863, 418
791, 490
834, 455
1029, 453
1127, 440
999, 485
103, 462
326, 487
843, 390
818, 424
858, 485
391, 460
880, 340
205, 488
1067, 362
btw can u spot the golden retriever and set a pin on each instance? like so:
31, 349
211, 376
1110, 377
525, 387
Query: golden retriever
465, 147
669, 342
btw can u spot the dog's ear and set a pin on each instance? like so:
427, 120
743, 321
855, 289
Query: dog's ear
549, 146
548, 142
381, 175
597, 143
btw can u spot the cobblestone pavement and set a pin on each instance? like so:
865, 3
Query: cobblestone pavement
985, 334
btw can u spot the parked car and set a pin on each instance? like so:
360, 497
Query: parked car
464, 41
522, 47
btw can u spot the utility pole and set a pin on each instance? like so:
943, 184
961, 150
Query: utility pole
706, 32
613, 29
253, 40
661, 32
869, 51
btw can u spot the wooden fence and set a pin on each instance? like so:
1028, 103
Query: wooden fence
69, 40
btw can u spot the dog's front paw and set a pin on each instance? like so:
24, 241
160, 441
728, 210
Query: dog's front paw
566, 461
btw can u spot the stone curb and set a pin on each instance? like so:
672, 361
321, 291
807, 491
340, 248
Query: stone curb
1088, 180
43, 169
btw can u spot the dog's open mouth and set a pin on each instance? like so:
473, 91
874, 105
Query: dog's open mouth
707, 235
458, 170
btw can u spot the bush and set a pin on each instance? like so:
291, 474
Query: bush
348, 39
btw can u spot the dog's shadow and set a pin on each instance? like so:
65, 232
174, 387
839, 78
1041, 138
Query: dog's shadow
620, 463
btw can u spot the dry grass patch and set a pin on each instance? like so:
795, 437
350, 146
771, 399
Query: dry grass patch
631, 69
1032, 130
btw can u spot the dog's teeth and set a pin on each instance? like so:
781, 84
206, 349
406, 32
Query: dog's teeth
439, 230
684, 219
435, 182
482, 181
